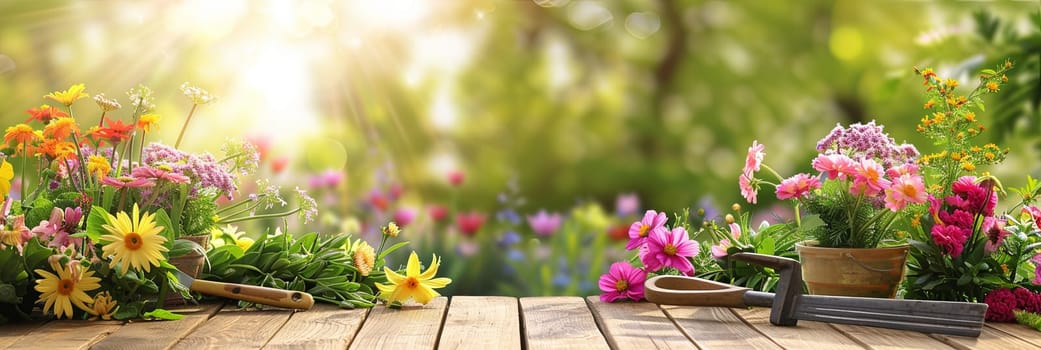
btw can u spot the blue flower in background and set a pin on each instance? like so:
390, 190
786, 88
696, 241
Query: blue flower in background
508, 215
509, 238
561, 280
515, 255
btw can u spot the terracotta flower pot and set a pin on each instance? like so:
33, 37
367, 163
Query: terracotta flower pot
857, 272
191, 264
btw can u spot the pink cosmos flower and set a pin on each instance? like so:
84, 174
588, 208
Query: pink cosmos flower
622, 281
797, 186
749, 190
754, 159
720, 250
639, 230
835, 165
127, 182
868, 178
951, 238
404, 216
1034, 212
666, 248
147, 172
905, 189
544, 224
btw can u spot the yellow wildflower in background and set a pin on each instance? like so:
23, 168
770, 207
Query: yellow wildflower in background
59, 292
391, 229
98, 166
364, 258
103, 307
69, 96
413, 285
133, 241
148, 121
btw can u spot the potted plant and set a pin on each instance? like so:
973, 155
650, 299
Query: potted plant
866, 180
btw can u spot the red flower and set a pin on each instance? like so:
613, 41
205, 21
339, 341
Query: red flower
619, 233
469, 223
437, 212
44, 114
395, 191
378, 201
456, 178
1027, 300
114, 133
1000, 303
279, 164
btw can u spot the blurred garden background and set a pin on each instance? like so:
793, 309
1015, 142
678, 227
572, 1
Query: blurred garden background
521, 138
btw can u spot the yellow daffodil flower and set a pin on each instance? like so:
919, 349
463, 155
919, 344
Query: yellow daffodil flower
413, 285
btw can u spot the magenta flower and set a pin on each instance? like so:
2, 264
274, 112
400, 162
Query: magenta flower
544, 224
951, 238
1037, 269
972, 197
469, 223
666, 248
1000, 304
995, 231
868, 178
1035, 213
1027, 300
622, 281
437, 212
720, 250
455, 178
905, 189
639, 230
147, 172
127, 182
627, 204
797, 186
749, 189
404, 216
835, 165
754, 159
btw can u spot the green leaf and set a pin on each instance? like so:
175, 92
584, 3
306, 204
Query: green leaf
965, 279
162, 314
97, 218
8, 294
391, 249
162, 220
767, 246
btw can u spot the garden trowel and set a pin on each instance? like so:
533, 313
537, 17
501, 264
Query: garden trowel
789, 305
289, 299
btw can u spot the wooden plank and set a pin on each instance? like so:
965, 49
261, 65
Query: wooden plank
560, 323
717, 328
67, 334
628, 325
884, 339
12, 332
325, 326
990, 339
806, 335
411, 327
475, 322
1025, 333
158, 334
236, 329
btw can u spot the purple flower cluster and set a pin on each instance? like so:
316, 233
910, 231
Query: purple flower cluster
203, 170
955, 225
867, 141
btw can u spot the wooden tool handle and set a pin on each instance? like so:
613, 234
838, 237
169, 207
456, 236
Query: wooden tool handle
692, 291
289, 299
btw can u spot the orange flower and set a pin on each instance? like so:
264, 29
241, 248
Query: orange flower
44, 114
67, 97
60, 128
148, 121
930, 104
115, 132
992, 86
57, 149
21, 134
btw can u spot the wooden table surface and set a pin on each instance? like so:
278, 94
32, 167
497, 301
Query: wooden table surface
498, 323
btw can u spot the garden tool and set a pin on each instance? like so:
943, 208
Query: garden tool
789, 304
289, 299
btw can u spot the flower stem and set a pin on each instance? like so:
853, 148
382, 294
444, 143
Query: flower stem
25, 161
772, 171
185, 126
263, 216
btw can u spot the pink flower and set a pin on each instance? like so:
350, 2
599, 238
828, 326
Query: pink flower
1037, 269
455, 178
639, 230
544, 224
395, 191
868, 178
754, 159
127, 182
378, 200
972, 197
995, 231
622, 281
905, 189
951, 238
627, 204
1000, 303
749, 190
735, 230
147, 172
55, 231
666, 248
1035, 213
404, 216
835, 165
469, 223
437, 212
904, 169
797, 186
720, 250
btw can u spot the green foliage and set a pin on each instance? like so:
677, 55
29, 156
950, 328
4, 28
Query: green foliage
16, 279
777, 239
1027, 318
319, 265
198, 215
849, 222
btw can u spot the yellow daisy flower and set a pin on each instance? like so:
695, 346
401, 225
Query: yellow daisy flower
59, 292
6, 174
134, 241
103, 307
148, 121
98, 166
414, 285
364, 258
69, 96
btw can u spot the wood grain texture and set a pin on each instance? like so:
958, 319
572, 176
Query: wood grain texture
11, 333
412, 327
560, 323
629, 325
236, 329
990, 339
322, 327
885, 339
717, 328
481, 322
1025, 333
806, 335
158, 334
67, 334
